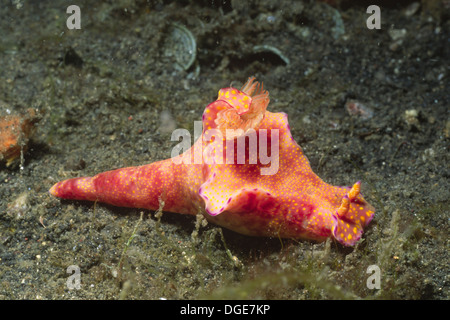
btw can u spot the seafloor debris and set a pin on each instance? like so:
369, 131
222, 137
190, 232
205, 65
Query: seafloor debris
15, 132
356, 108
411, 118
168, 123
18, 206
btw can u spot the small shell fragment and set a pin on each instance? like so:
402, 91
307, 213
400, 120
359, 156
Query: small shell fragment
180, 43
276, 51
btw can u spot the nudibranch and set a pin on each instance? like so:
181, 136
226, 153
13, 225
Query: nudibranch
228, 176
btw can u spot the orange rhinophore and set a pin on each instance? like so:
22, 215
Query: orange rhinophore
236, 184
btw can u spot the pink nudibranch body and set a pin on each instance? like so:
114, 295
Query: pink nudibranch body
290, 201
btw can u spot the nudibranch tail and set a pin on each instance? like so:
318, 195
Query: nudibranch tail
353, 214
75, 189
134, 187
